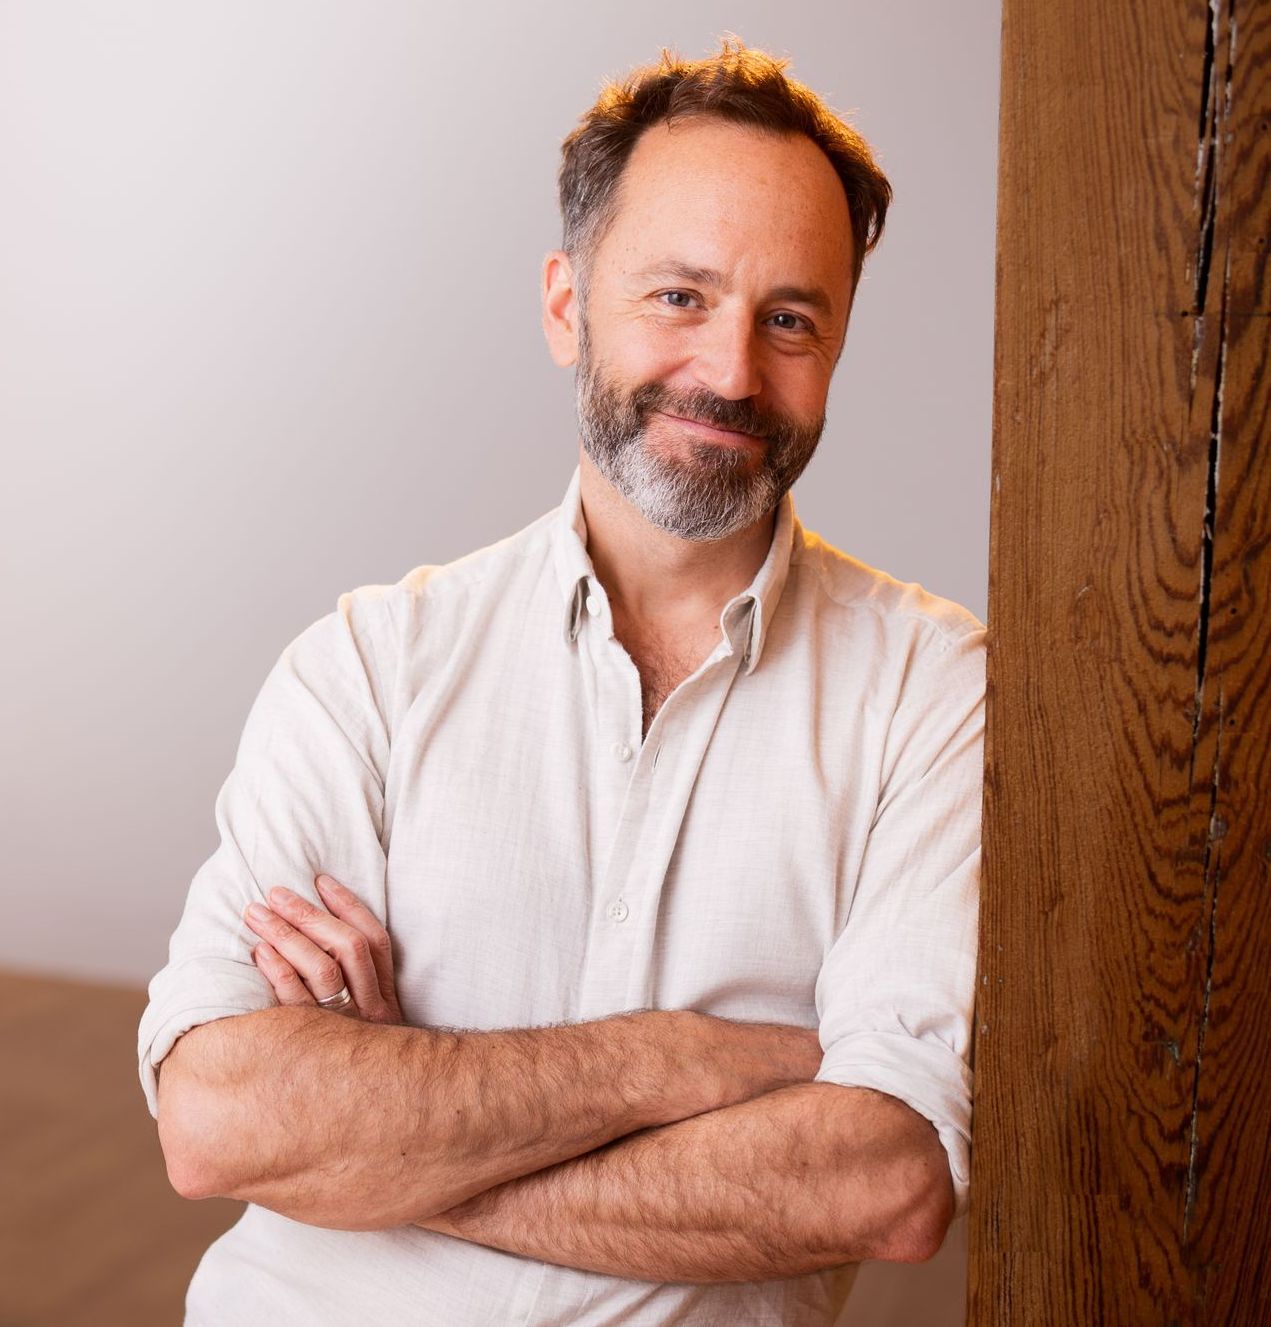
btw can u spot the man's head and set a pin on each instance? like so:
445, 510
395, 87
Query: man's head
716, 218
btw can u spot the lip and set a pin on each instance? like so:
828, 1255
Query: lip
728, 436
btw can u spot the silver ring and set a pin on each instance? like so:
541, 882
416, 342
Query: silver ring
340, 1000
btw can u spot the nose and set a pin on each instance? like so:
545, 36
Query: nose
727, 358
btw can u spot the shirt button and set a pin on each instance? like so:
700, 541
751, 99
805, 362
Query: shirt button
618, 911
593, 605
622, 751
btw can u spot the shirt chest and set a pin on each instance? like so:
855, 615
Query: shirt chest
547, 863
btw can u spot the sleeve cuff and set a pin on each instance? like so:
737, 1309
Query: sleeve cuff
927, 1076
187, 994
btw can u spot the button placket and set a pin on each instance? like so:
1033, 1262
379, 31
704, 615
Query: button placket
620, 797
620, 952
616, 714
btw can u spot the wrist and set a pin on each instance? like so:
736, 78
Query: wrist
664, 1066
753, 1059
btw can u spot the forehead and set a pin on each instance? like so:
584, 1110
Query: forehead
734, 198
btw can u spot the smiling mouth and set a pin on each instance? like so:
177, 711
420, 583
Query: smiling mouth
716, 433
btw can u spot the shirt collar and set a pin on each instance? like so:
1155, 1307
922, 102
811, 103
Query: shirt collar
744, 619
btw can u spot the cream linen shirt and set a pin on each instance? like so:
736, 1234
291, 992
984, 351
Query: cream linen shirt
797, 839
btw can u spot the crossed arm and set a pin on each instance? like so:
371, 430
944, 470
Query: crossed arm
793, 1181
662, 1145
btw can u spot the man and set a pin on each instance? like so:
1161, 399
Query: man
671, 811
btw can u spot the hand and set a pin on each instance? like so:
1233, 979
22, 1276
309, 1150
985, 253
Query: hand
308, 954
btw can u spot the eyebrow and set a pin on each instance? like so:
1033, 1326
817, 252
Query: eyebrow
813, 296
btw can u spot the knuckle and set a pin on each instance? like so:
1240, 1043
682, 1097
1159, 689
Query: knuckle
360, 948
291, 990
328, 973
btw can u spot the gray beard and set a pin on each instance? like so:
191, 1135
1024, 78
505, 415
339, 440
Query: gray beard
716, 493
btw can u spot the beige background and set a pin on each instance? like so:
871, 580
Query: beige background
269, 330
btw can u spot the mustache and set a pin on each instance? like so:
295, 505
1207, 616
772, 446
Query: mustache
707, 408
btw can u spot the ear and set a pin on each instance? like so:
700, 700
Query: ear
560, 308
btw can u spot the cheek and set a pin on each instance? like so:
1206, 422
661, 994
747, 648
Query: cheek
636, 349
804, 385
657, 353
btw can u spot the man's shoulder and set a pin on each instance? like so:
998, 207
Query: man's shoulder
493, 568
841, 585
372, 621
898, 646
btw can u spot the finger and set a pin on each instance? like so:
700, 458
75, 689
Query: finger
286, 981
322, 972
346, 905
350, 948
282, 976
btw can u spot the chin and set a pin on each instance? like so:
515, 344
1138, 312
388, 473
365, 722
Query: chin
698, 455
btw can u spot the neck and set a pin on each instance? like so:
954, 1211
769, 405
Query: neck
658, 583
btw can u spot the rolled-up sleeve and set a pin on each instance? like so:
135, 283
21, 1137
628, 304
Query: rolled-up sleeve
895, 995
305, 795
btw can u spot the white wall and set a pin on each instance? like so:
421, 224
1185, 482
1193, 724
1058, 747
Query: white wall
269, 329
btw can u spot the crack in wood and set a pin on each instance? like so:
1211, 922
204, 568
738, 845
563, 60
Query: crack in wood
1207, 160
1206, 155
1211, 507
1212, 866
1213, 119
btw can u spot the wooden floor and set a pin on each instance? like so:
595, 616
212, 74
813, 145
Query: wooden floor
91, 1233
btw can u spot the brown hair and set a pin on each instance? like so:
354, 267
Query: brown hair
743, 86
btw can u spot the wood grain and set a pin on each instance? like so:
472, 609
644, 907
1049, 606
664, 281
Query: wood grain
1122, 1163
91, 1233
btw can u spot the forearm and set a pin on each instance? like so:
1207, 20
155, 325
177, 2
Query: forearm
803, 1178
352, 1125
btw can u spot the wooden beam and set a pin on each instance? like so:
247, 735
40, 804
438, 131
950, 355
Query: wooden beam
1122, 1125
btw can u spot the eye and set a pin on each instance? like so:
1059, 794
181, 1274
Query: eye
796, 324
670, 294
